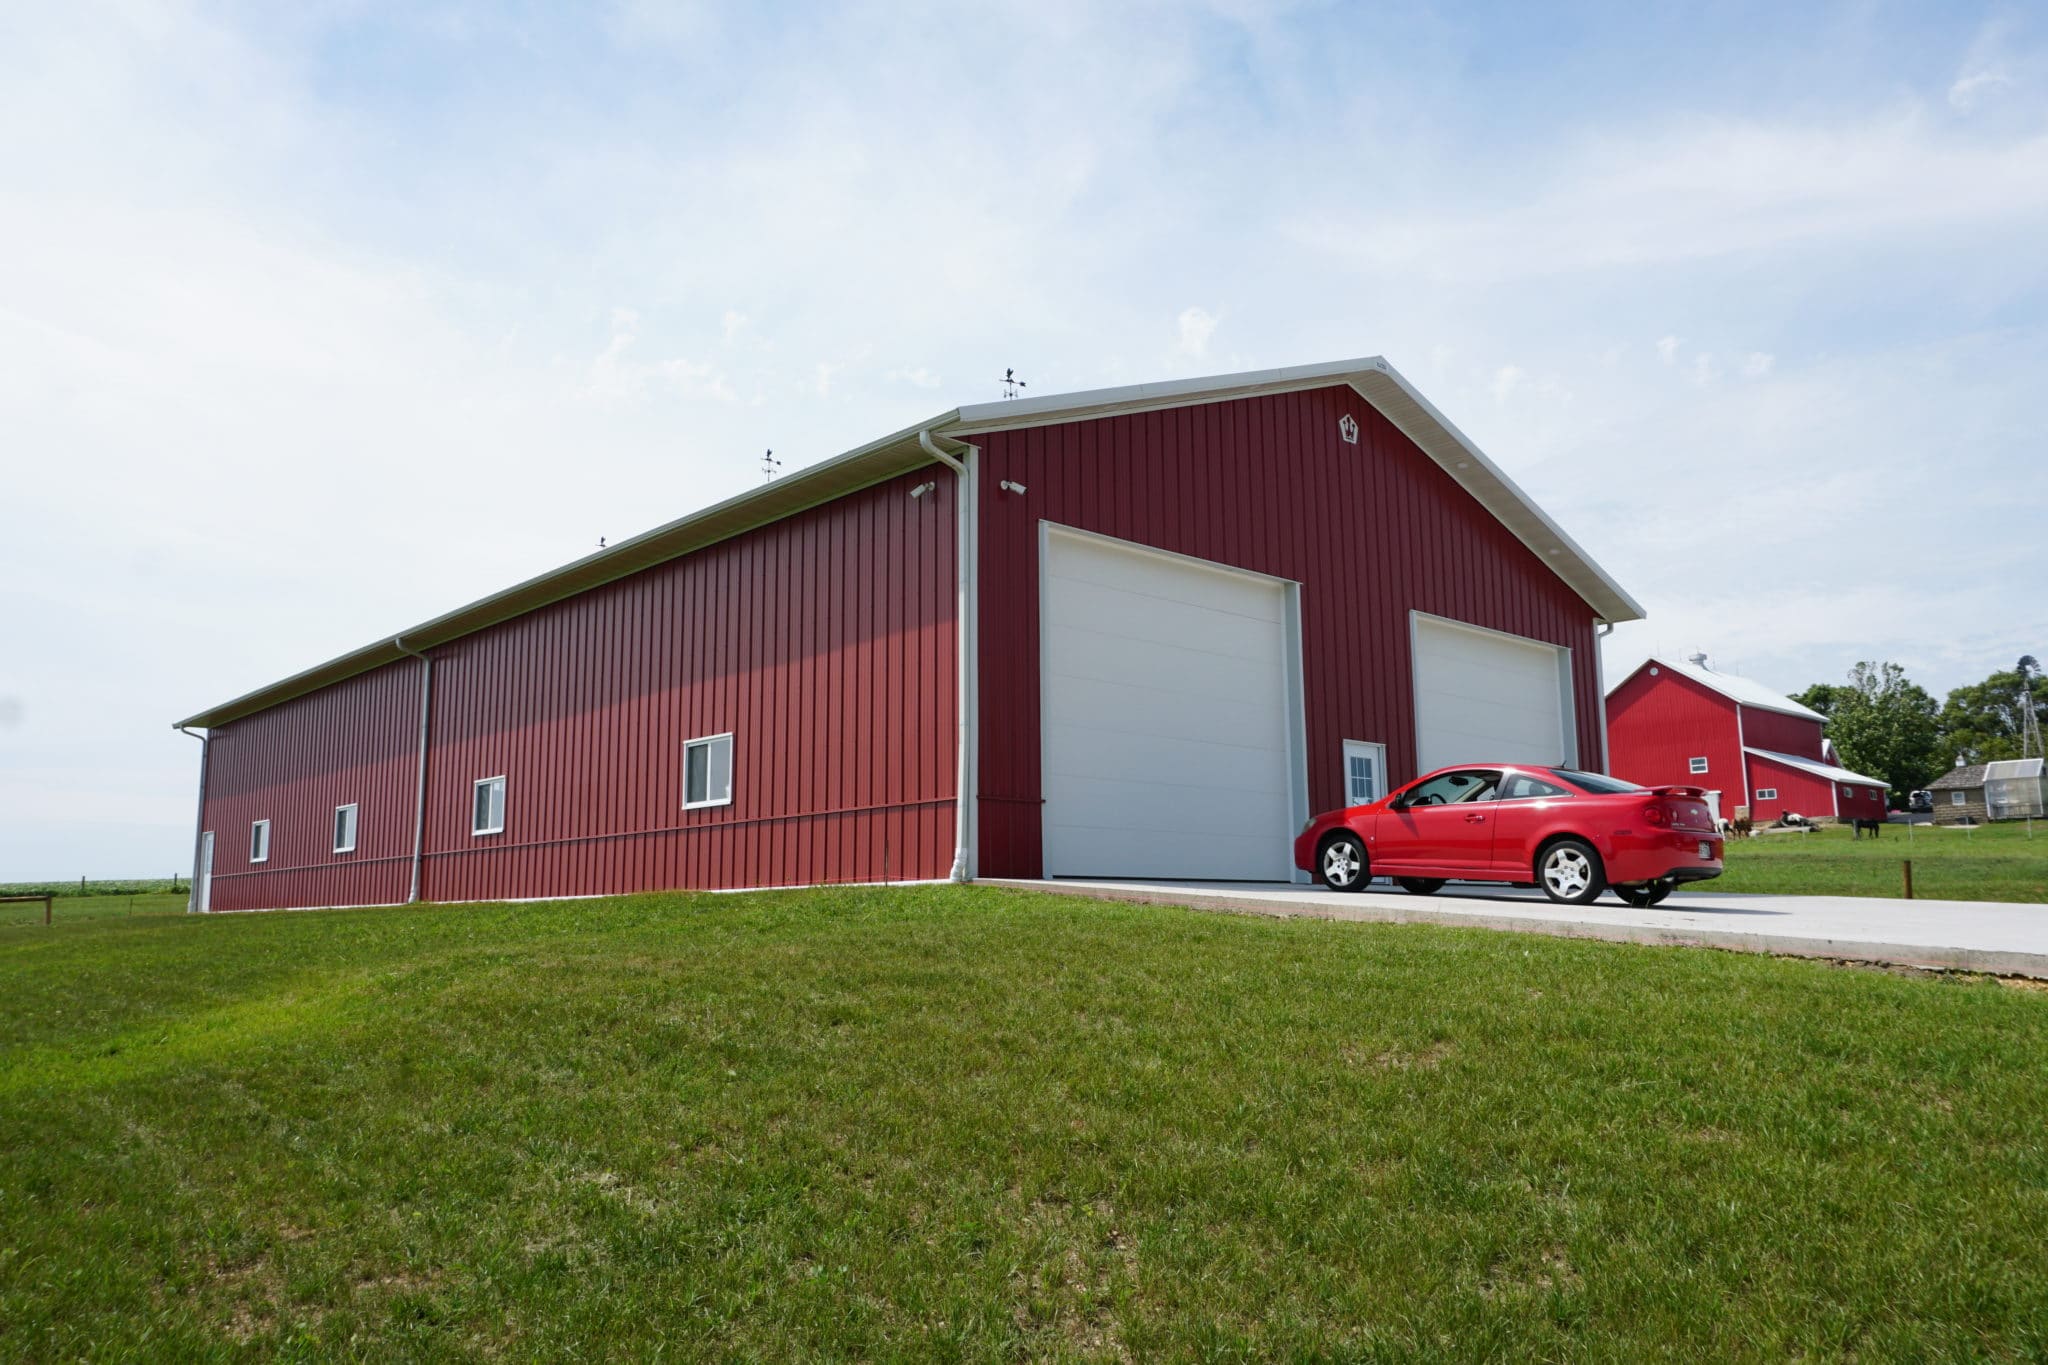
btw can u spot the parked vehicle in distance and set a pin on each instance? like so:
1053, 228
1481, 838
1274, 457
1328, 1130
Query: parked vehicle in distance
1573, 834
1920, 803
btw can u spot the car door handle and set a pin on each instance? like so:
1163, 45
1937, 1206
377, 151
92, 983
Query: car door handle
1475, 819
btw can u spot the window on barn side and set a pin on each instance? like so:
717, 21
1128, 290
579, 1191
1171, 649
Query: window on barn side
487, 806
707, 772
259, 842
345, 828
1766, 793
1698, 765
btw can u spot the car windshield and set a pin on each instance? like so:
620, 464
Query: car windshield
1600, 784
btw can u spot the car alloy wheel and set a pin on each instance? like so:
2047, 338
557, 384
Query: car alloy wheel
1342, 864
1570, 873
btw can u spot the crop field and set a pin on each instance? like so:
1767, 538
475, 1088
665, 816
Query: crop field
968, 1124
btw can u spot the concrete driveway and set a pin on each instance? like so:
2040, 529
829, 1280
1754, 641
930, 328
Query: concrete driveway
1975, 936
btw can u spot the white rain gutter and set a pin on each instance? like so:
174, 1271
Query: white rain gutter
966, 555
198, 817
419, 804
1600, 685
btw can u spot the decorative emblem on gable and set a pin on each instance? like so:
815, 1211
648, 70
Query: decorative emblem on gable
1347, 427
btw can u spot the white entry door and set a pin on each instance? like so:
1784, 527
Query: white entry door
1166, 711
1485, 697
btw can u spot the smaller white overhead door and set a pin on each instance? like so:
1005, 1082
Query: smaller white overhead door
1166, 690
1485, 697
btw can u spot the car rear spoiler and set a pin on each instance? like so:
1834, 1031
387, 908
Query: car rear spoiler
1696, 793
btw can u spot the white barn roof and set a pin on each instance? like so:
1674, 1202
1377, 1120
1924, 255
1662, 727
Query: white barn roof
1743, 690
1817, 768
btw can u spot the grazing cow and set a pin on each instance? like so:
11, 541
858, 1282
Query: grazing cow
1875, 827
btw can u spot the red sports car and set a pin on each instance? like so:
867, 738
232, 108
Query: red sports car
1574, 834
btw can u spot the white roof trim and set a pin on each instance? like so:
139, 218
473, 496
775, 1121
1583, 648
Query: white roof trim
1817, 768
1743, 690
1380, 384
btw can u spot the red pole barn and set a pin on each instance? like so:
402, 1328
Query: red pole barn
1148, 630
1679, 721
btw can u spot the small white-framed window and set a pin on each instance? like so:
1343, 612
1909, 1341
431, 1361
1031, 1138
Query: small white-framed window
1959, 798
487, 806
1698, 765
1766, 793
707, 771
1365, 771
259, 841
345, 828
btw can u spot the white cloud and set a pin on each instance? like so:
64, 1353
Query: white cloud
1975, 85
1197, 325
1696, 190
919, 377
1757, 364
1667, 349
614, 376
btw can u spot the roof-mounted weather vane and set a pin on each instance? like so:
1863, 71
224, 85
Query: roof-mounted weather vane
769, 465
1012, 385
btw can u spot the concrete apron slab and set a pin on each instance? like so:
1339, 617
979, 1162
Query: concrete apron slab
1972, 936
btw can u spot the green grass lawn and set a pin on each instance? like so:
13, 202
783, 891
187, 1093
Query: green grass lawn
970, 1124
1990, 863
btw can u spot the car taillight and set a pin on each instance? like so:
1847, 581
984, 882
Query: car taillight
1656, 814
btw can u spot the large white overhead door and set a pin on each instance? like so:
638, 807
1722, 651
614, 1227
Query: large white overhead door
1485, 697
1166, 692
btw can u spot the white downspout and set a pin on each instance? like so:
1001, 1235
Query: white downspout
199, 817
966, 554
419, 803
1600, 684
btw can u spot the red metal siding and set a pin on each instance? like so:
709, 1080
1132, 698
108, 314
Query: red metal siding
357, 741
1780, 733
824, 643
1369, 530
1657, 724
1814, 797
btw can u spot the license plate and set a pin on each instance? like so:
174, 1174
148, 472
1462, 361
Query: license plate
1707, 852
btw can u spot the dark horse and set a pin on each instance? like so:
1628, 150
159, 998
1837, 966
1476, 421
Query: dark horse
1876, 828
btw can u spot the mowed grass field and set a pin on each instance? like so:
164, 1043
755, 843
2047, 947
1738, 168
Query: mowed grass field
965, 1124
1989, 863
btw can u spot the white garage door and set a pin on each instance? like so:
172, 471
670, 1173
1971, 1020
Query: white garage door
1166, 717
1483, 697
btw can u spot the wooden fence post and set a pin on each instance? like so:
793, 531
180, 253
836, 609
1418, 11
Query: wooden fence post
1908, 864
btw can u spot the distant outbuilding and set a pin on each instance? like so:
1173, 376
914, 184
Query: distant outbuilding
2006, 789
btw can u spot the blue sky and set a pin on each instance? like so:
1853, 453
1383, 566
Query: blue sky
316, 320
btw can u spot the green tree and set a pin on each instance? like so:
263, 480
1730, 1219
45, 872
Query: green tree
1821, 697
1982, 720
1884, 725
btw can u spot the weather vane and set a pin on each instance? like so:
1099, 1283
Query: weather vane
1011, 383
769, 465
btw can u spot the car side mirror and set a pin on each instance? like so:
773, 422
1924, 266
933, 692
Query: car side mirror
1399, 803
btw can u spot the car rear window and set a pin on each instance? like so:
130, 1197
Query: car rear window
1599, 784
